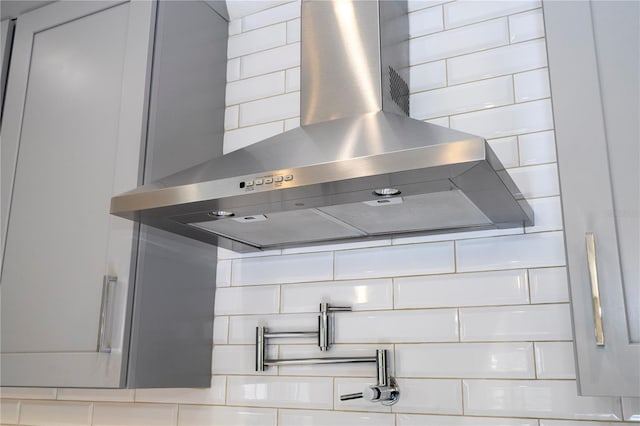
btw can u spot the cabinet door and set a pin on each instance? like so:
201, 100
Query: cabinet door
594, 57
73, 125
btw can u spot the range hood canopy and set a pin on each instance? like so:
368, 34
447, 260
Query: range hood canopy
357, 168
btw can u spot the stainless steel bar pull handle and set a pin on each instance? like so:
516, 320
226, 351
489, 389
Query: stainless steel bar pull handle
595, 288
107, 282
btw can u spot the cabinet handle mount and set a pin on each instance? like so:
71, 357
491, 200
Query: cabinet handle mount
107, 282
595, 287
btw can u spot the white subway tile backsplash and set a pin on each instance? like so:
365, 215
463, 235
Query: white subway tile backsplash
225, 254
463, 98
236, 139
424, 420
555, 360
257, 40
271, 60
134, 414
537, 148
507, 150
293, 31
240, 359
242, 329
459, 41
233, 69
112, 395
226, 416
467, 12
283, 269
238, 9
360, 295
433, 396
510, 252
426, 21
532, 85
328, 370
431, 75
431, 258
271, 16
220, 330
223, 273
472, 289
56, 413
211, 395
432, 325
247, 300
537, 181
235, 26
548, 215
28, 393
414, 5
270, 109
457, 235
536, 398
549, 285
466, 360
494, 62
337, 246
286, 392
9, 411
526, 26
259, 87
516, 323
631, 409
440, 121
291, 123
326, 418
231, 115
293, 80
506, 121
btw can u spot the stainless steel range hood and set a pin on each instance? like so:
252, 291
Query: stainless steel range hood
357, 168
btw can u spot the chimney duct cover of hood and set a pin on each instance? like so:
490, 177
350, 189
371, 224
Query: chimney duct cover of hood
357, 168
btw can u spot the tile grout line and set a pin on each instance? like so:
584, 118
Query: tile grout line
462, 396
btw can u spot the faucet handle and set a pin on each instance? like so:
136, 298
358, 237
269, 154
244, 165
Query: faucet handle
386, 395
351, 396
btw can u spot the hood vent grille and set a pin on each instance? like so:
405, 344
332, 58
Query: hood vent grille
399, 90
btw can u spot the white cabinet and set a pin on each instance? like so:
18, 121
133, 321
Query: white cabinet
74, 134
71, 138
594, 64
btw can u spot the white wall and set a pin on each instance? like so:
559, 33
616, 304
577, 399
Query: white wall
477, 323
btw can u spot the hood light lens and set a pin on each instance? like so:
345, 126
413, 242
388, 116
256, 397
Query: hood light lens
219, 214
385, 192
